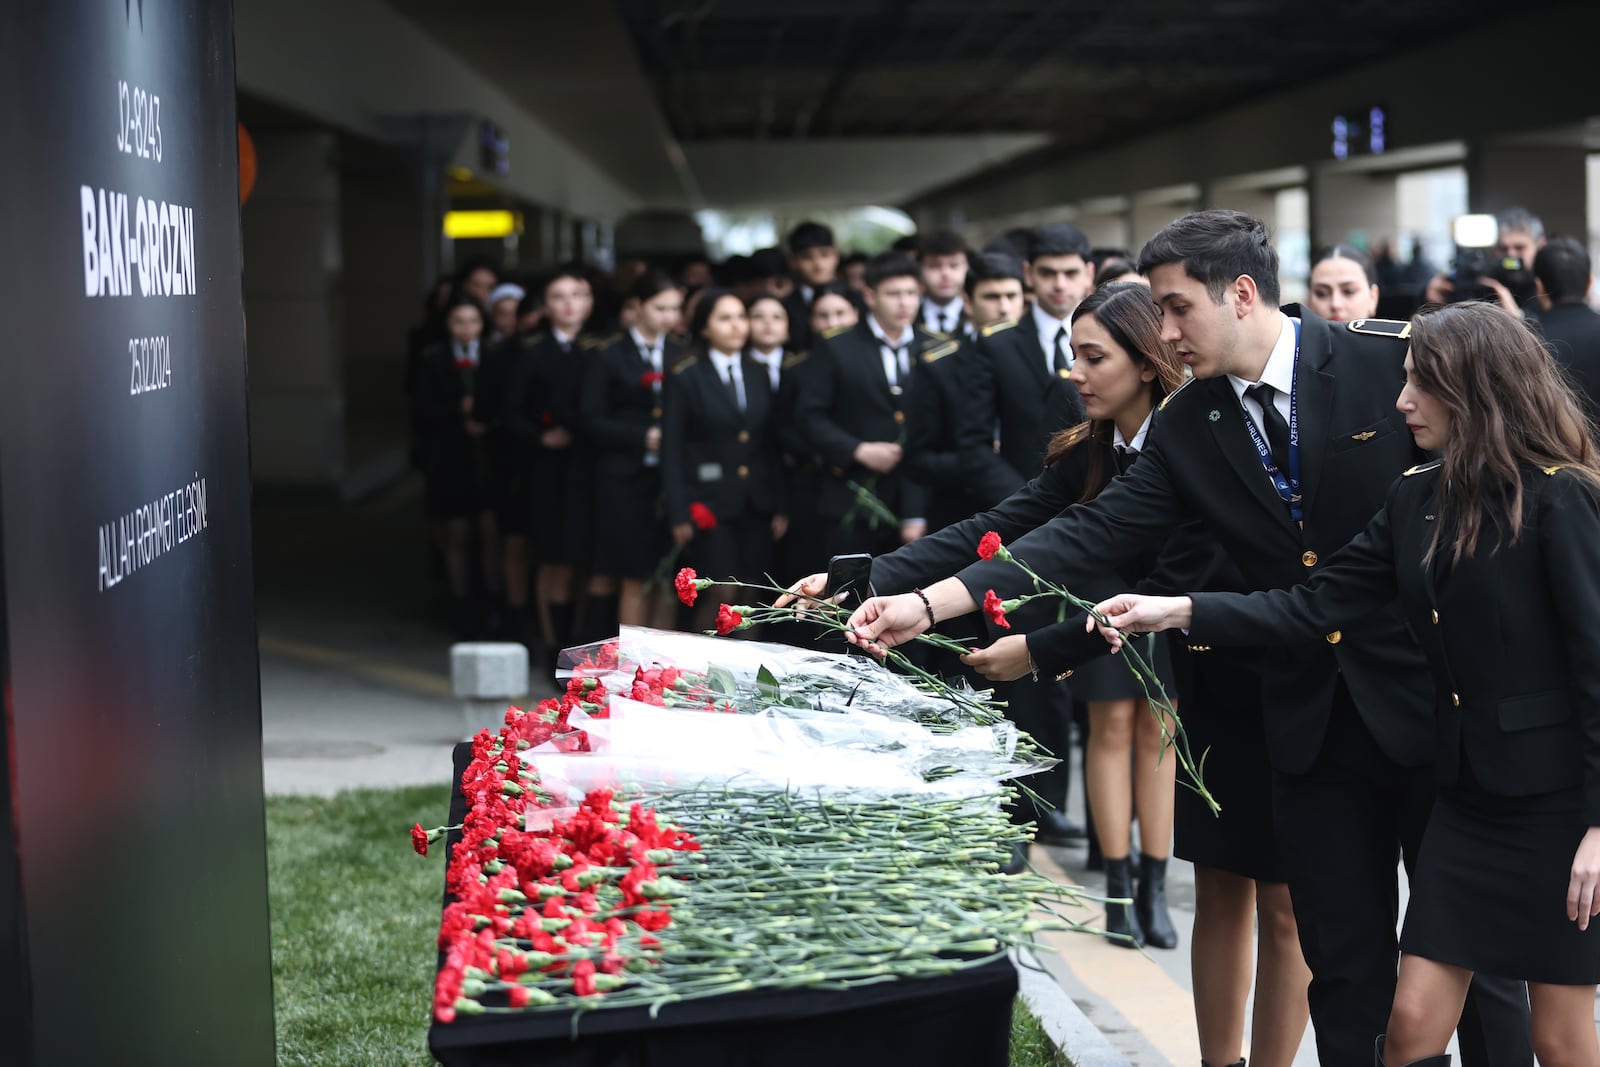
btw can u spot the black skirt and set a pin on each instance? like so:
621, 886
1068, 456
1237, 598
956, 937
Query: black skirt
630, 532
739, 546
561, 504
1490, 889
1220, 706
1109, 678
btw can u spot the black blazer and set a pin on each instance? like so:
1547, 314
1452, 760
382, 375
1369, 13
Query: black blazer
619, 405
713, 453
498, 367
845, 399
959, 469
1199, 463
1572, 333
447, 450
1010, 386
1510, 634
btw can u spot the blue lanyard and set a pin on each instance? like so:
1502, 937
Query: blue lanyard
1288, 488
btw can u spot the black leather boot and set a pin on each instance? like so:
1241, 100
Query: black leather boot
1151, 903
1122, 924
1235, 1063
1441, 1060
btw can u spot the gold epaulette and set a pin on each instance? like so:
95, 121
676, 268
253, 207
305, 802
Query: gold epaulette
592, 343
939, 351
1168, 398
1396, 328
1557, 467
995, 327
685, 363
1422, 468
835, 331
794, 359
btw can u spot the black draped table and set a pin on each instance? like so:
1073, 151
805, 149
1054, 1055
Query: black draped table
961, 1019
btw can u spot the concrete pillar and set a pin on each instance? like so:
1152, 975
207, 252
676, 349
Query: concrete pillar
384, 227
292, 267
1153, 210
1550, 182
1353, 209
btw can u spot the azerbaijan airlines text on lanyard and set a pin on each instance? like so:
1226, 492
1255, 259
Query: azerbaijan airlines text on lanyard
1288, 487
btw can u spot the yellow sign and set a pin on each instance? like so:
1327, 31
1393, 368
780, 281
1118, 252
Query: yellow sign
461, 225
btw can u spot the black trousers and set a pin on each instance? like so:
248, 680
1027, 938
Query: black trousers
1341, 828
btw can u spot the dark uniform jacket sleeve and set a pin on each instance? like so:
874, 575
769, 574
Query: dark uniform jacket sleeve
814, 414
1569, 529
942, 554
1132, 516
978, 372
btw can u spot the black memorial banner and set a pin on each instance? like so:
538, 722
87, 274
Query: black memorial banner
133, 882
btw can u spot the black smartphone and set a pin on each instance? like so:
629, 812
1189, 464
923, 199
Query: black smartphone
851, 575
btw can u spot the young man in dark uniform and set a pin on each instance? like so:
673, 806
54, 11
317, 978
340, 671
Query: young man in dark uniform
853, 409
815, 261
1021, 375
1284, 448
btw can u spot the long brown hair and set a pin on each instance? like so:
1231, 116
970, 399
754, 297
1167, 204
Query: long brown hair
1511, 412
1127, 313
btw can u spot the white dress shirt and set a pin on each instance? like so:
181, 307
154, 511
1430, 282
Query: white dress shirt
896, 354
773, 361
1278, 373
1137, 444
1049, 326
942, 318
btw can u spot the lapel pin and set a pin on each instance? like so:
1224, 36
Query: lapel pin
1364, 435
1215, 415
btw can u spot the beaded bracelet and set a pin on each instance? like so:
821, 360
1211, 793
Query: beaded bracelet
927, 606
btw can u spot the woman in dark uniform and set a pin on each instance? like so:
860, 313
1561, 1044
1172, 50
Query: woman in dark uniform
543, 416
453, 459
1122, 370
719, 450
1494, 554
622, 414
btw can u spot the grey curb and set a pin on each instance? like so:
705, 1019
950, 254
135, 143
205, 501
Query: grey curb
1063, 1020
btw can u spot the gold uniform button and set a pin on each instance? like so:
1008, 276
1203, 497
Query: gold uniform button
1436, 618
744, 437
1455, 699
1335, 637
655, 413
744, 472
1309, 559
900, 416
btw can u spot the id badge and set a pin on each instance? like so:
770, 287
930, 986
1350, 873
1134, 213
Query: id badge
710, 472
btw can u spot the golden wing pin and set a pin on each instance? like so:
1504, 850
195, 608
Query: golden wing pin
1364, 435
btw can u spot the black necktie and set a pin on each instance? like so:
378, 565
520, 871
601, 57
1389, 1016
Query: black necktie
733, 388
944, 322
1125, 458
1277, 429
1060, 361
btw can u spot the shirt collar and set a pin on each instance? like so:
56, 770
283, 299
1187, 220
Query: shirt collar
877, 331
771, 359
633, 332
1137, 444
561, 337
1048, 325
952, 307
723, 362
1279, 371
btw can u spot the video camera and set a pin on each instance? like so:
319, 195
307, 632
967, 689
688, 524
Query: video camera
1477, 239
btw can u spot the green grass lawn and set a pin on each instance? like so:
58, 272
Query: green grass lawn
354, 915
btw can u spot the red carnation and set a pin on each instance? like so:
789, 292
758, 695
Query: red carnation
687, 585
650, 379
989, 545
419, 839
728, 620
995, 609
703, 517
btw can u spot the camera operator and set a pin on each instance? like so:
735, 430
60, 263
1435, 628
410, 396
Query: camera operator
1571, 328
1521, 237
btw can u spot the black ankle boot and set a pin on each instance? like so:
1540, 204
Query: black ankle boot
1235, 1063
1122, 924
1441, 1060
1151, 904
